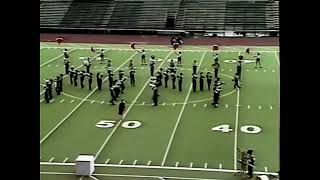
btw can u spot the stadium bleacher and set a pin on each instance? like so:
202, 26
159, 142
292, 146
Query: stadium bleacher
152, 14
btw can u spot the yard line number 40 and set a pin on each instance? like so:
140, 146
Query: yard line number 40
250, 129
222, 128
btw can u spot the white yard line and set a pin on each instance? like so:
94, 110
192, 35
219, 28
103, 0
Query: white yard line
277, 57
65, 160
43, 64
107, 161
129, 108
179, 117
51, 159
94, 178
74, 109
236, 131
135, 162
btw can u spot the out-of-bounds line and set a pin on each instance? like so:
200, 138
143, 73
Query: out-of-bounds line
125, 114
160, 167
151, 49
179, 117
73, 110
155, 177
74, 45
55, 58
127, 175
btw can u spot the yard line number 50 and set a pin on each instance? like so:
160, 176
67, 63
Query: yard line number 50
250, 129
127, 124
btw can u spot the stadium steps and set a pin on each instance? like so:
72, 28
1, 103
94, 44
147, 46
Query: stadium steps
142, 14
152, 14
203, 14
180, 15
272, 15
245, 15
52, 12
88, 14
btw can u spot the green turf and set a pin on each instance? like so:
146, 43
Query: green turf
79, 110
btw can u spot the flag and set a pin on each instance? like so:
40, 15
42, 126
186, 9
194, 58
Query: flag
132, 45
59, 40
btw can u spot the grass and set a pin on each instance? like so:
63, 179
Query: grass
193, 141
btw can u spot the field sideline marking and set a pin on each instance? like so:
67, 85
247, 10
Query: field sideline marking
74, 45
43, 64
154, 49
126, 112
74, 109
93, 58
46, 43
127, 175
180, 115
160, 167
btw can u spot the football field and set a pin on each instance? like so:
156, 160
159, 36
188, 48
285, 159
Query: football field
184, 137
